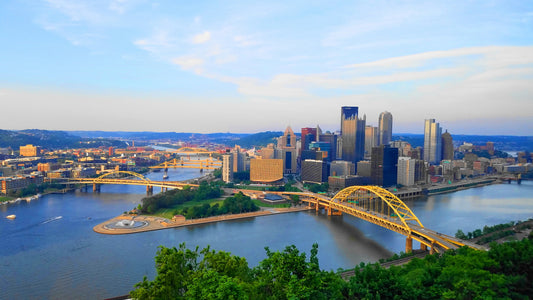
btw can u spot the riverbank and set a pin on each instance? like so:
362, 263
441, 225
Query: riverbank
151, 223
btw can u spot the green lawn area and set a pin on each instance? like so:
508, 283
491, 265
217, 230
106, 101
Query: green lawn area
4, 198
261, 204
169, 212
248, 187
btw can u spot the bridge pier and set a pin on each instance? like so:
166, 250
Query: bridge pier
408, 244
149, 190
96, 187
423, 247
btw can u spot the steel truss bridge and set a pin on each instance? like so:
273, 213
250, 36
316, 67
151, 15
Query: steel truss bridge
203, 164
379, 206
370, 203
192, 150
125, 178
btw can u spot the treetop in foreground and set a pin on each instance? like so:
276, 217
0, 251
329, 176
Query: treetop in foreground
503, 272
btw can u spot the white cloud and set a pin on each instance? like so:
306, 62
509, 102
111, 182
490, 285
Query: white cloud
188, 63
201, 37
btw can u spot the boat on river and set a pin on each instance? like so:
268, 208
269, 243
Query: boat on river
11, 217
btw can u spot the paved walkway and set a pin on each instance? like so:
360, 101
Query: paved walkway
158, 223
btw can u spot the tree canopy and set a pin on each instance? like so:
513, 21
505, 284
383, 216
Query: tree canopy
505, 271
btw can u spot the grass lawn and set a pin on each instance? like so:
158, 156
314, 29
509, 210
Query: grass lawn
4, 198
169, 212
261, 204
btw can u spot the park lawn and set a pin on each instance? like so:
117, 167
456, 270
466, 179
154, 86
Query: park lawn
4, 198
261, 204
168, 213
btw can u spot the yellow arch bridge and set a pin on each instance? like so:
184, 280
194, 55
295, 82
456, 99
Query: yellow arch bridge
129, 178
381, 207
203, 164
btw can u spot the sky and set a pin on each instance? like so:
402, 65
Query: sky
250, 66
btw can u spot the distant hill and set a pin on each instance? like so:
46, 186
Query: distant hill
501, 142
260, 139
51, 139
245, 140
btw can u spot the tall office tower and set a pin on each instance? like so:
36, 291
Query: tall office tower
447, 146
238, 159
341, 168
385, 128
353, 134
384, 166
314, 171
308, 136
421, 171
371, 140
432, 142
227, 167
330, 139
406, 171
318, 133
287, 145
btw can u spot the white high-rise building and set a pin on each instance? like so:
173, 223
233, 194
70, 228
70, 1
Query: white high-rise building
432, 142
385, 128
406, 171
227, 167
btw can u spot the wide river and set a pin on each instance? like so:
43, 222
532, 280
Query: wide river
51, 251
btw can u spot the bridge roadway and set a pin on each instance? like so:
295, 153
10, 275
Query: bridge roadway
370, 203
402, 221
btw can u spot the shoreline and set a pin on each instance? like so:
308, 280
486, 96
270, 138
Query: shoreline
158, 223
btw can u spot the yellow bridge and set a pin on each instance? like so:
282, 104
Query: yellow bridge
381, 207
192, 150
370, 203
125, 179
204, 164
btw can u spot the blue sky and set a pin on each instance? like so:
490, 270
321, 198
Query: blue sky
239, 66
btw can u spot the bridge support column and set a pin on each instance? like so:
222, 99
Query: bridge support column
423, 247
432, 249
408, 244
96, 187
149, 190
329, 210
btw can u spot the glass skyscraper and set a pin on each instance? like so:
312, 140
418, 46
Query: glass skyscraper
432, 142
385, 128
353, 134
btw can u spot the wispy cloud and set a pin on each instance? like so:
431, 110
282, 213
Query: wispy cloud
201, 37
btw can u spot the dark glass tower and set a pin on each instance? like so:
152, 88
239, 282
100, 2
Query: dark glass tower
353, 134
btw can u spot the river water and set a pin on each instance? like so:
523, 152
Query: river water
51, 251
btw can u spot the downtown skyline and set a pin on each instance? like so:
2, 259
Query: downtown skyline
242, 67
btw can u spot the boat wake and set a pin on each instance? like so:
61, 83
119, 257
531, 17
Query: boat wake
52, 219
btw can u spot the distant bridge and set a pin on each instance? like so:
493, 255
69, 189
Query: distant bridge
137, 180
207, 164
378, 206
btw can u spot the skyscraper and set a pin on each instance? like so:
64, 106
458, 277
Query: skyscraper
447, 146
432, 142
353, 134
227, 167
308, 136
384, 166
371, 140
287, 144
406, 171
385, 128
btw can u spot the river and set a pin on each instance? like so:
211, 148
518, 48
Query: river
44, 256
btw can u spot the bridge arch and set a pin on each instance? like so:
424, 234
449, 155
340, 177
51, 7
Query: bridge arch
141, 177
400, 209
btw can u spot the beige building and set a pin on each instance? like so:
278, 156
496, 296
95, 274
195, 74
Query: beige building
29, 150
266, 170
227, 167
